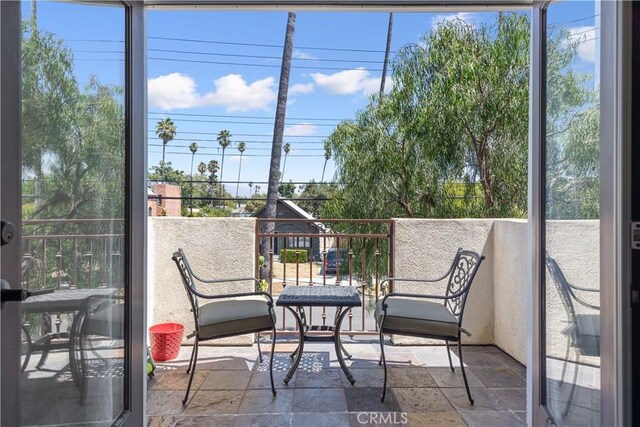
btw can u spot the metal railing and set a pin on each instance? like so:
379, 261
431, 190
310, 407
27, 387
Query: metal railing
362, 257
72, 254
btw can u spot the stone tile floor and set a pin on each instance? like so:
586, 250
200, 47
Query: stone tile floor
231, 388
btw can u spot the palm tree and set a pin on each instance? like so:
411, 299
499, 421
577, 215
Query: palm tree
224, 139
212, 167
278, 133
386, 56
202, 168
194, 148
250, 188
241, 147
258, 189
327, 156
286, 149
166, 131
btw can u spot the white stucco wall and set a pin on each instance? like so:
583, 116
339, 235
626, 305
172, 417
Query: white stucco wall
216, 248
510, 287
575, 245
426, 247
496, 311
497, 307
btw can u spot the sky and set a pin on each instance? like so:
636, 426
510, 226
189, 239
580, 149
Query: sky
212, 70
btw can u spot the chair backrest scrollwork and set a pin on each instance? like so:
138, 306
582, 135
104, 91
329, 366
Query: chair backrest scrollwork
187, 280
463, 270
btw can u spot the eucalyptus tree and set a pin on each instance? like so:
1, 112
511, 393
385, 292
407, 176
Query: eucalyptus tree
72, 135
166, 131
242, 146
278, 134
451, 137
193, 147
286, 149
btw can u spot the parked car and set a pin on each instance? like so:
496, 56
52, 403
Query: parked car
332, 260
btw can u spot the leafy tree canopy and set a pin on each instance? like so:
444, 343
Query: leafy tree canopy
451, 137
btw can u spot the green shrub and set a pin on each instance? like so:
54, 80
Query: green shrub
290, 255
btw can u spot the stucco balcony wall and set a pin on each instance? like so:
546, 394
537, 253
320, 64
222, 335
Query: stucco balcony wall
496, 311
217, 248
497, 308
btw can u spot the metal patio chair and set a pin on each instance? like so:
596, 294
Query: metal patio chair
96, 341
225, 315
413, 315
583, 332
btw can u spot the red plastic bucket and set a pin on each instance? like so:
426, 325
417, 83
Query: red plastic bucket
165, 339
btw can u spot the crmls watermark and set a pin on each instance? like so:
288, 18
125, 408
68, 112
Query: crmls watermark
387, 418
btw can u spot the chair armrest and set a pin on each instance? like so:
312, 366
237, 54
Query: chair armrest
398, 294
580, 288
383, 284
236, 295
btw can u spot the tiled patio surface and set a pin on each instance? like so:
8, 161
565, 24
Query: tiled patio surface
231, 388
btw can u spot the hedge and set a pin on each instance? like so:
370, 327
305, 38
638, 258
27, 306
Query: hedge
291, 253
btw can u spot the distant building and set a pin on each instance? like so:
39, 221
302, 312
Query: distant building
288, 209
164, 200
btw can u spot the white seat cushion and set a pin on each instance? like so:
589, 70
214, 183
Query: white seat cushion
417, 317
231, 316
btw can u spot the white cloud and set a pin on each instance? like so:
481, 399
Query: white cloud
301, 129
348, 82
236, 159
585, 37
468, 17
298, 54
172, 91
177, 90
302, 88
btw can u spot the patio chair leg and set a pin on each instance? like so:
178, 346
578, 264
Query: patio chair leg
449, 355
384, 362
195, 362
259, 349
566, 362
273, 350
293, 354
193, 350
464, 375
567, 406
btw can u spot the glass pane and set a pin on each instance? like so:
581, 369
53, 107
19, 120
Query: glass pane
572, 298
73, 194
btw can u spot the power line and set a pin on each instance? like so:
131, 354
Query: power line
248, 141
278, 46
233, 55
247, 123
198, 61
242, 116
246, 155
266, 135
557, 24
245, 140
252, 149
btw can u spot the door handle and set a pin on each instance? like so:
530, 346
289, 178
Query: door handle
8, 232
8, 294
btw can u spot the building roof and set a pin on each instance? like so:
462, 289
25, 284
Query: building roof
301, 213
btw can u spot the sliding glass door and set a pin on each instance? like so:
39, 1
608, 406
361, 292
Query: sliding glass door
570, 380
72, 345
